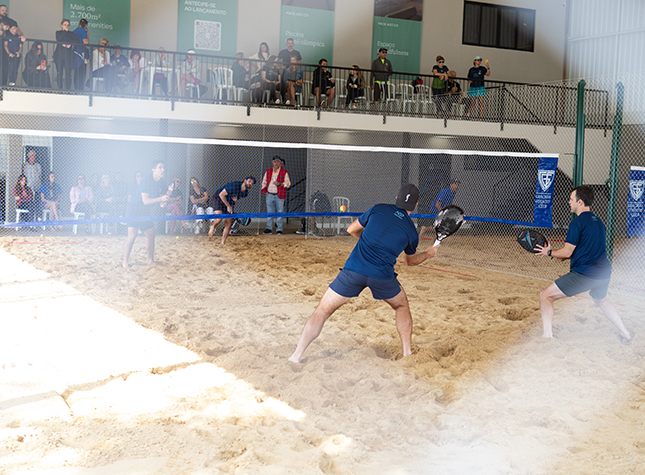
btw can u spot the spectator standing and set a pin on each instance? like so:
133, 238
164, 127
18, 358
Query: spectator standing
151, 194
64, 54
477, 90
275, 184
81, 54
440, 71
293, 81
381, 71
323, 83
355, 86
262, 55
13, 48
198, 197
25, 199
105, 198
35, 73
4, 14
101, 66
50, 194
32, 170
225, 199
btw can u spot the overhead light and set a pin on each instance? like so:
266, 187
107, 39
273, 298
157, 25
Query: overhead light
101, 118
230, 125
444, 136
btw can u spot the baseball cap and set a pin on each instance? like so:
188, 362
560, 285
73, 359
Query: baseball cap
382, 49
407, 197
477, 57
278, 157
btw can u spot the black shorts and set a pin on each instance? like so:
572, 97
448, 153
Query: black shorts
142, 225
220, 206
573, 284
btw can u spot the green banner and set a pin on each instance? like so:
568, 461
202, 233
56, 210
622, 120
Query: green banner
105, 19
207, 27
397, 27
311, 25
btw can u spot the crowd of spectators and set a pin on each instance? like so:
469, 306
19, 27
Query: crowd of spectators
268, 78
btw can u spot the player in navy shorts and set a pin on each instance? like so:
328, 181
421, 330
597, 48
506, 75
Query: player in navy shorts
383, 232
585, 245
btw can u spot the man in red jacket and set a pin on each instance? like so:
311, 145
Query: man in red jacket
274, 185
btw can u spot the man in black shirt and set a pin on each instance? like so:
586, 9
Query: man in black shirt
150, 192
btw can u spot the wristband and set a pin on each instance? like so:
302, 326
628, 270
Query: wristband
549, 253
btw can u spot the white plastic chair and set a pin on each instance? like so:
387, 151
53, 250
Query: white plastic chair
340, 86
337, 202
20, 211
223, 78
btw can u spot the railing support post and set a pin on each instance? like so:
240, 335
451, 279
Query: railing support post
613, 177
578, 163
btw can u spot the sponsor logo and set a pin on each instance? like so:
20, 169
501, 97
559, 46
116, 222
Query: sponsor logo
545, 179
399, 215
636, 188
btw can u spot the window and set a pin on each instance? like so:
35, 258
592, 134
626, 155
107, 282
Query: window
498, 26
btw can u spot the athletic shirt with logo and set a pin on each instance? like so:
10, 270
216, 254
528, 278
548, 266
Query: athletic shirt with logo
388, 231
587, 233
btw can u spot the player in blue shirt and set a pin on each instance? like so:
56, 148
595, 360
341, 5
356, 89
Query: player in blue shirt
585, 245
443, 199
383, 232
224, 202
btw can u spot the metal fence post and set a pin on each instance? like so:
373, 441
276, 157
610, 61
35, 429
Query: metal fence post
578, 163
613, 177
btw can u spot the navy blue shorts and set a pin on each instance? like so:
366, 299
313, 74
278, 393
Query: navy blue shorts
142, 225
573, 284
350, 284
219, 205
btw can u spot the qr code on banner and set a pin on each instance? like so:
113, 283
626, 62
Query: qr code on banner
208, 35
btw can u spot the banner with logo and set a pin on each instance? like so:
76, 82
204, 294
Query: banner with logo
636, 202
542, 209
109, 20
311, 25
208, 27
397, 27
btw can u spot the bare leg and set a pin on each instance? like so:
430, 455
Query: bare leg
481, 107
150, 244
612, 315
214, 224
227, 229
330, 96
127, 247
547, 297
329, 303
403, 320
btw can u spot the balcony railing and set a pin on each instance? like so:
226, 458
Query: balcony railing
176, 76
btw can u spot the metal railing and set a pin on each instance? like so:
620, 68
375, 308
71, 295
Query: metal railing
176, 76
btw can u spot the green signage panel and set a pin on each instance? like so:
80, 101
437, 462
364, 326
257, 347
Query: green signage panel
312, 28
207, 27
105, 19
397, 27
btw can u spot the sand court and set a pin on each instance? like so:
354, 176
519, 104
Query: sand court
181, 367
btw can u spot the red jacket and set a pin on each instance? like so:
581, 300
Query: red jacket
282, 191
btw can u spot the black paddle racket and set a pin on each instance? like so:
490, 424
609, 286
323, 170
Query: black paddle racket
529, 238
447, 222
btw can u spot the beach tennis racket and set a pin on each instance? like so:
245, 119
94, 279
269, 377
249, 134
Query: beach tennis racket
447, 222
171, 188
244, 221
529, 238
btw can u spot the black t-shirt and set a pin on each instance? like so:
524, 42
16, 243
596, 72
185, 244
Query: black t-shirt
477, 75
285, 55
154, 189
197, 196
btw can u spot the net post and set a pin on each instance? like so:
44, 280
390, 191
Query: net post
578, 163
613, 177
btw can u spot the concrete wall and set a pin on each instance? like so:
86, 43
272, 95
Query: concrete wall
154, 23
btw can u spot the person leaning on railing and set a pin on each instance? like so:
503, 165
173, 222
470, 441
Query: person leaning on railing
440, 72
35, 73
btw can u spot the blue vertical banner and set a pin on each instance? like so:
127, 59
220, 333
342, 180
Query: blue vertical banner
636, 202
542, 209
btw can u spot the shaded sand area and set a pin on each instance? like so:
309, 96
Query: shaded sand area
181, 367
